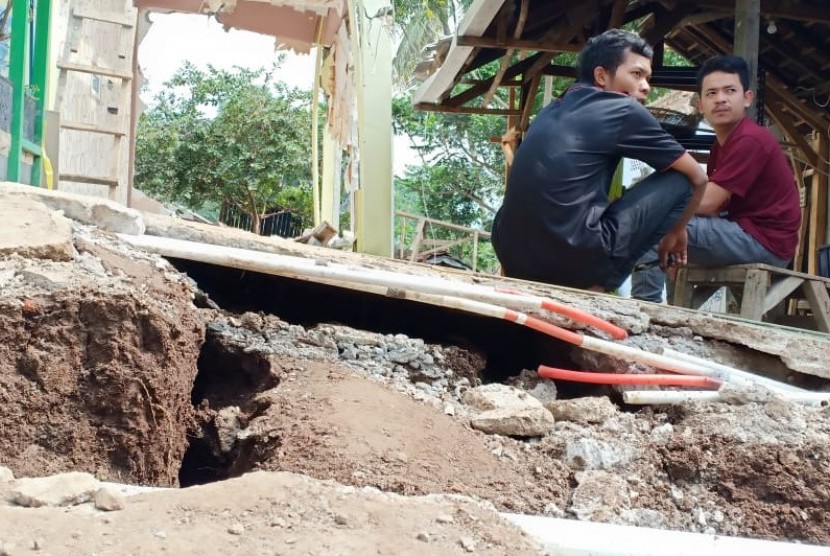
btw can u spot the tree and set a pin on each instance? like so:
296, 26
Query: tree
220, 138
419, 23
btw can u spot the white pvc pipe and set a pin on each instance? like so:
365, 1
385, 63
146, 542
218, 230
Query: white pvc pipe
731, 374
669, 397
638, 355
307, 269
567, 537
299, 267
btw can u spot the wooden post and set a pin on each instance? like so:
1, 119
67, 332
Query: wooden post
747, 33
818, 206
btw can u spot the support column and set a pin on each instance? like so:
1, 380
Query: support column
330, 194
19, 76
374, 200
747, 34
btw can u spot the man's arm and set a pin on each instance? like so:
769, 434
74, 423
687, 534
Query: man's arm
675, 242
714, 199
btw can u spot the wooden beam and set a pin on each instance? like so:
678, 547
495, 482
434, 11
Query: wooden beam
784, 9
527, 101
789, 131
747, 32
720, 45
508, 55
467, 110
617, 14
539, 45
517, 69
818, 207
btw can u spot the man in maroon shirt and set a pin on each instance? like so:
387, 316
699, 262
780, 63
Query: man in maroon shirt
750, 212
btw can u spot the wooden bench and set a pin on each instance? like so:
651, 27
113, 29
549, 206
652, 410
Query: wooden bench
759, 288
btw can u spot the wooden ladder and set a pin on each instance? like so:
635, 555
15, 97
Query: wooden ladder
95, 110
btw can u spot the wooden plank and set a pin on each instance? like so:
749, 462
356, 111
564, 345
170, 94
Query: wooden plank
106, 72
816, 294
475, 22
755, 289
519, 44
84, 12
683, 289
721, 275
468, 110
780, 290
92, 128
416, 241
93, 180
736, 273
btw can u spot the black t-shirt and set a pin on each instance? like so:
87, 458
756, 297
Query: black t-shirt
548, 227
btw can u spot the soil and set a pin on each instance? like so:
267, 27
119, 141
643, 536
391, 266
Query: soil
105, 368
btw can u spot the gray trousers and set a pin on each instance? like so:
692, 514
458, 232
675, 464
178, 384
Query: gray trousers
712, 242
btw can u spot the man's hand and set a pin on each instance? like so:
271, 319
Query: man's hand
673, 246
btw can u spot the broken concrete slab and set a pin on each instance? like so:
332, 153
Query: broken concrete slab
29, 229
582, 410
103, 213
64, 489
508, 411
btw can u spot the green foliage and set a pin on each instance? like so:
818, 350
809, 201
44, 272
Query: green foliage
227, 138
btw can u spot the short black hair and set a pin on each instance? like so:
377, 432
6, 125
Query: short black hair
607, 50
727, 64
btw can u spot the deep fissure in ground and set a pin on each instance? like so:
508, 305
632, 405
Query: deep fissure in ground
231, 376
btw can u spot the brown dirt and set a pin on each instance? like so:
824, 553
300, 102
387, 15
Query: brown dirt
97, 376
330, 424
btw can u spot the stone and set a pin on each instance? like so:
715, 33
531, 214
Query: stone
228, 423
29, 229
661, 434
467, 543
588, 453
588, 410
507, 411
599, 496
108, 500
236, 529
422, 536
64, 489
6, 474
96, 211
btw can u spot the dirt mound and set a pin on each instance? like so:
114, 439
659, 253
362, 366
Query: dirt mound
97, 361
267, 513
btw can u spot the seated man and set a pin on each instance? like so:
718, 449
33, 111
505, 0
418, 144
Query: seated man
556, 224
750, 211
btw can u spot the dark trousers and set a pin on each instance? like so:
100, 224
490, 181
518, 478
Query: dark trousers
638, 221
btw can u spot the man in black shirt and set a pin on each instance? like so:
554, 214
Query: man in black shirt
556, 223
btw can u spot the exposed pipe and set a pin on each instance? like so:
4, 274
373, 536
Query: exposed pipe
298, 267
623, 378
408, 286
571, 537
731, 374
669, 397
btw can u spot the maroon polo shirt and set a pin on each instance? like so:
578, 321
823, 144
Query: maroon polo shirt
751, 165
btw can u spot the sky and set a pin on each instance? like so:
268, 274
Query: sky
176, 38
